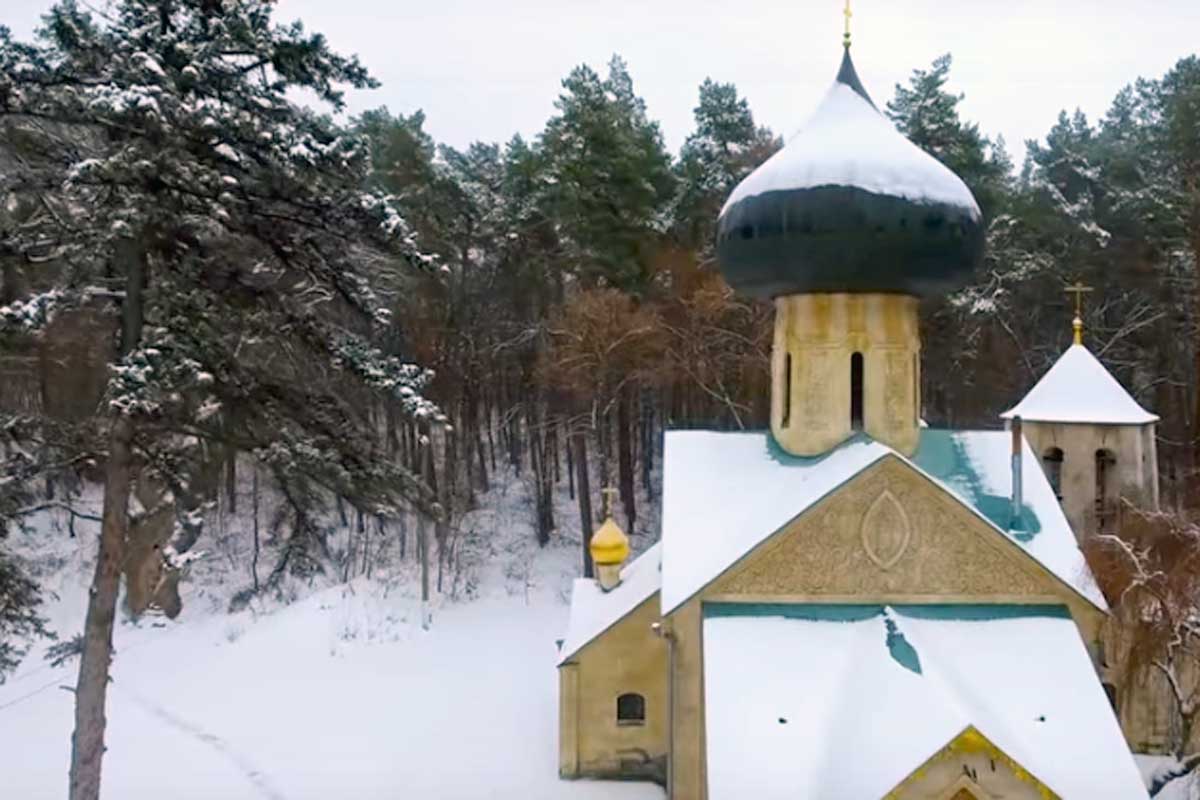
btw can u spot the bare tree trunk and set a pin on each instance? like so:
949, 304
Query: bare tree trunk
91, 692
648, 442
585, 501
254, 555
423, 549
570, 466
625, 459
231, 479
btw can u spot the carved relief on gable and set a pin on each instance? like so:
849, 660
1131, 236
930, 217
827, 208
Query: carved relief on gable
889, 531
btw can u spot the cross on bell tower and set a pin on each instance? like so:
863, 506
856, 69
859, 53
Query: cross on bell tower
1079, 290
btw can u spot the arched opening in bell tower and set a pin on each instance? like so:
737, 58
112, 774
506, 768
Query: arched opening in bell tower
1106, 491
1052, 459
856, 392
786, 419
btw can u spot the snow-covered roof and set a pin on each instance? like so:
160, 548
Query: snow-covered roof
847, 142
726, 493
593, 610
1079, 389
846, 701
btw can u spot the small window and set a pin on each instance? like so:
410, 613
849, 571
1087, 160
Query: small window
631, 709
1052, 459
787, 390
856, 391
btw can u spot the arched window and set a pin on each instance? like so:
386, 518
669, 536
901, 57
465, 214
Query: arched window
787, 390
1106, 475
1052, 459
856, 391
631, 709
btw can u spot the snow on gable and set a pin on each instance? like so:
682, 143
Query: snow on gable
813, 701
1079, 389
976, 466
593, 610
726, 493
847, 142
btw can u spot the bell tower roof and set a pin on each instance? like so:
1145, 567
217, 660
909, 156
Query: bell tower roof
1079, 389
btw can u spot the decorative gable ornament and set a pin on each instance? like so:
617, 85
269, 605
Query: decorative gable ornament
885, 531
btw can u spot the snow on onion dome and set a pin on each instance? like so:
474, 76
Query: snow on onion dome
849, 205
1079, 389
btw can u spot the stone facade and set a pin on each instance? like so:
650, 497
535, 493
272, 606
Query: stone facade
888, 536
627, 659
817, 339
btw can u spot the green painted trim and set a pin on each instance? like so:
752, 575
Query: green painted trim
811, 612
941, 453
821, 612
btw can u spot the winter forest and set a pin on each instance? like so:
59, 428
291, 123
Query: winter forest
252, 350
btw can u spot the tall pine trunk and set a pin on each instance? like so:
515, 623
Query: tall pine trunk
91, 690
585, 500
625, 465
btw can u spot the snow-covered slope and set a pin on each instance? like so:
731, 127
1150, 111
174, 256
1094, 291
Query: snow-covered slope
340, 694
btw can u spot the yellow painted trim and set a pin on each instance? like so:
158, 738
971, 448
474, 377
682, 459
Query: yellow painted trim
970, 740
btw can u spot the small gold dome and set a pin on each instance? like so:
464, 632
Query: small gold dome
609, 544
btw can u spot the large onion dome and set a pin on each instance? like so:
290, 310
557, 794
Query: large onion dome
849, 205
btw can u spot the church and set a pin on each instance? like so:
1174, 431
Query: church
852, 605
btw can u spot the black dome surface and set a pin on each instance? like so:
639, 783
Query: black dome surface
849, 205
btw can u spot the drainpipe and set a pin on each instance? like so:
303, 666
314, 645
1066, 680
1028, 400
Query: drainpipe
1017, 489
669, 636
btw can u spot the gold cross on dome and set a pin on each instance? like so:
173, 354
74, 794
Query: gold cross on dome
848, 14
608, 492
1079, 290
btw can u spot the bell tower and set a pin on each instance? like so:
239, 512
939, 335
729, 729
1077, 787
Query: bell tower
1095, 443
846, 228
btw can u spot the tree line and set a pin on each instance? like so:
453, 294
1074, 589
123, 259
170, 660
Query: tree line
200, 277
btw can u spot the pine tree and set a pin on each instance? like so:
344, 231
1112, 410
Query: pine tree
610, 177
229, 237
725, 147
928, 115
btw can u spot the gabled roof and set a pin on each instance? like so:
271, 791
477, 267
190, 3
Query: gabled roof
830, 702
1079, 389
593, 610
726, 493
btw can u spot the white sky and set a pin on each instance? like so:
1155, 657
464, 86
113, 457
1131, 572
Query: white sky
485, 70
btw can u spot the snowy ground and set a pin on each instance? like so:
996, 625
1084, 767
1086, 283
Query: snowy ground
340, 694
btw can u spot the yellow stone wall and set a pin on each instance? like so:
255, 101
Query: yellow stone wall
971, 766
628, 657
817, 335
889, 536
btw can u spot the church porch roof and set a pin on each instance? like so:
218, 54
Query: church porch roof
593, 610
847, 701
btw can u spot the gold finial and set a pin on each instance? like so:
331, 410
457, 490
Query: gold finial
1079, 290
606, 506
846, 36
